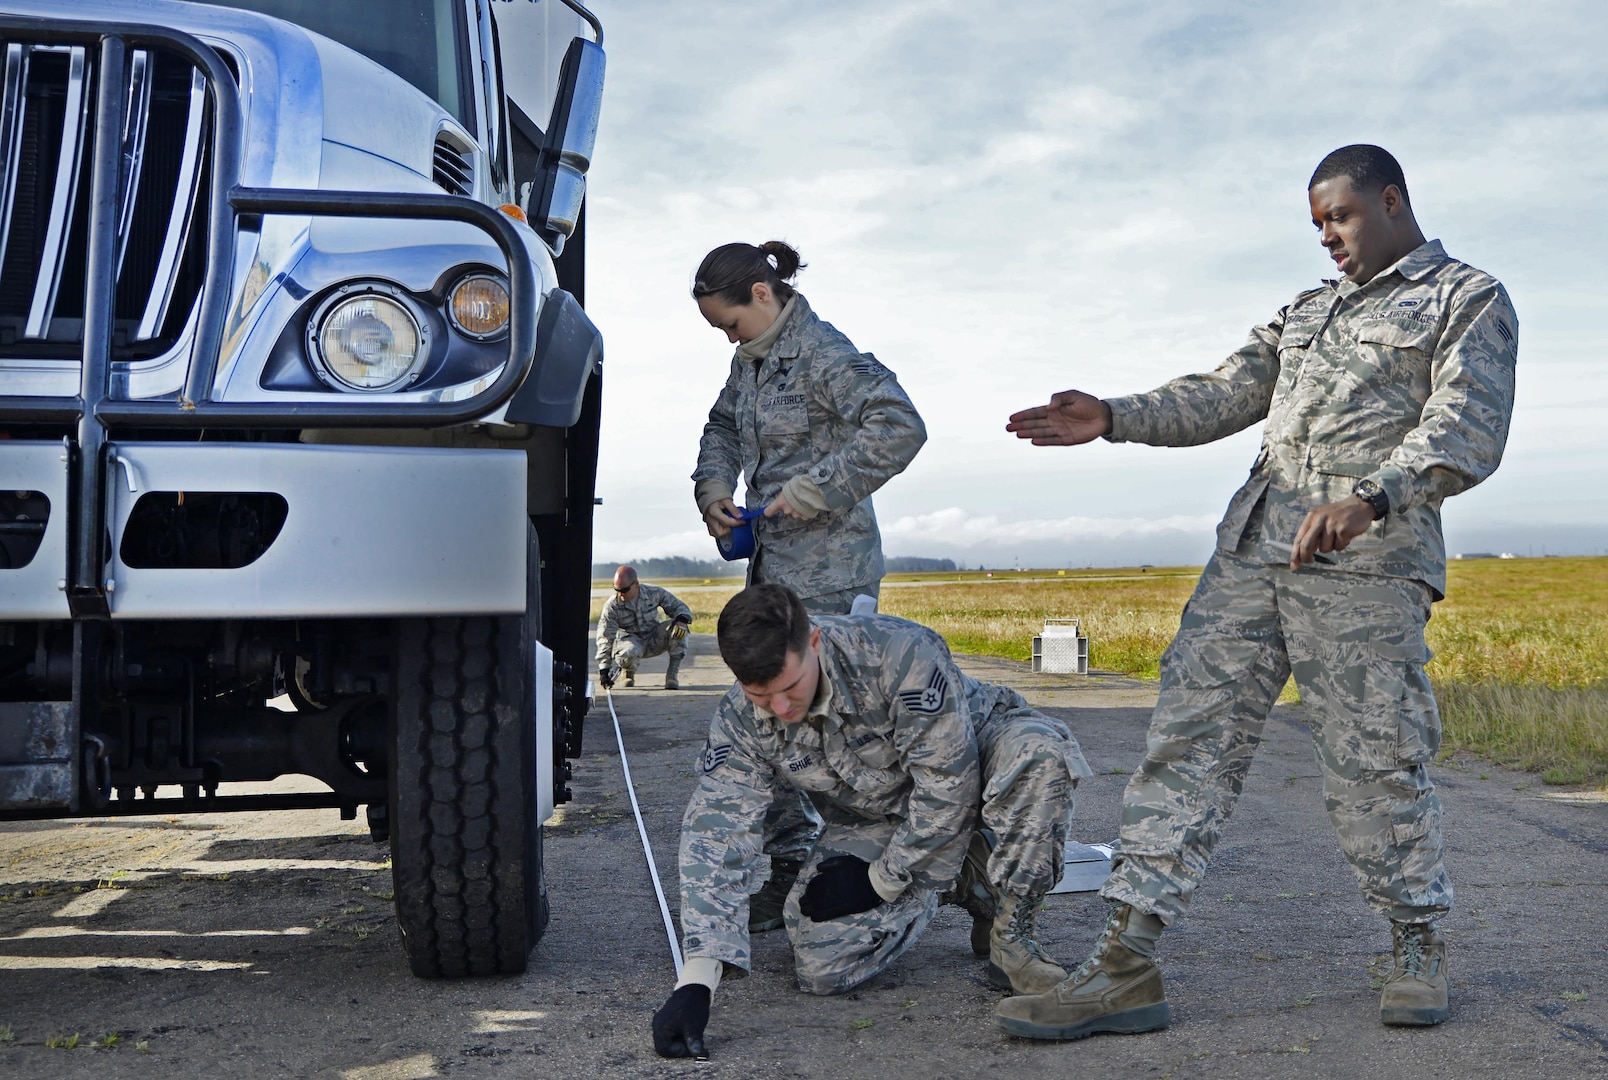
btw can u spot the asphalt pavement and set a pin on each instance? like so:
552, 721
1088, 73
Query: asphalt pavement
263, 944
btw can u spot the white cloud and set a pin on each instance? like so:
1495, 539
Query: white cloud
1004, 202
693, 543
956, 529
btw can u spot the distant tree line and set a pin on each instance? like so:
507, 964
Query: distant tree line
679, 566
912, 564
674, 566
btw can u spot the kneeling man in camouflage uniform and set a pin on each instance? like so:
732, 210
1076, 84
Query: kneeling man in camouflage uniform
1384, 393
629, 630
922, 775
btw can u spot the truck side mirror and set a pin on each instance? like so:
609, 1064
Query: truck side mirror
555, 196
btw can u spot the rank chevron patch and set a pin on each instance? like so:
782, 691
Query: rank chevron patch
930, 698
714, 757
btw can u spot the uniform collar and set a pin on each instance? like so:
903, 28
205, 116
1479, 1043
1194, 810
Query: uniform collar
1414, 265
1420, 261
825, 689
790, 342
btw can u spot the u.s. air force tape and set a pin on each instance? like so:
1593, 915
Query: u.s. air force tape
713, 757
930, 698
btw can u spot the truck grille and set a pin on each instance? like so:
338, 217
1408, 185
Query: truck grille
47, 141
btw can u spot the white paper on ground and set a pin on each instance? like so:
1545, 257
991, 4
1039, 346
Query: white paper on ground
1087, 867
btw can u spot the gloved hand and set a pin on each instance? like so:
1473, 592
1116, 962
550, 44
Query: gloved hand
841, 886
605, 677
678, 629
678, 1027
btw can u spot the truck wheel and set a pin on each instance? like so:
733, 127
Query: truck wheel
466, 848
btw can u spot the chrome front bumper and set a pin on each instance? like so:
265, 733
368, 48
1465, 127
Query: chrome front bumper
371, 531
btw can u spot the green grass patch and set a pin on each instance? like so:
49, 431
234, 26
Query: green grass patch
1520, 645
1128, 615
1560, 732
1521, 664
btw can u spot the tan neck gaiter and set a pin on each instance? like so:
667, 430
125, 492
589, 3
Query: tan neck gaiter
761, 346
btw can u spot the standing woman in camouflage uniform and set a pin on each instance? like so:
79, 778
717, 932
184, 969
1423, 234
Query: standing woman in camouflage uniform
813, 426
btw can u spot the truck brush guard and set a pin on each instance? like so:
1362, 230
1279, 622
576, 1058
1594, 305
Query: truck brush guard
115, 61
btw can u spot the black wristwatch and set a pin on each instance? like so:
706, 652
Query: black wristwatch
1374, 495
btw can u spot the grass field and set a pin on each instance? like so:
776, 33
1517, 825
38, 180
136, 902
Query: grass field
1521, 645
1521, 664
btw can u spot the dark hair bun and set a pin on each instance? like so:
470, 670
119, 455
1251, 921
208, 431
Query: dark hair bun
784, 257
732, 270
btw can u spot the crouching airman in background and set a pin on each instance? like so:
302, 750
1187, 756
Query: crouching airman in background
629, 629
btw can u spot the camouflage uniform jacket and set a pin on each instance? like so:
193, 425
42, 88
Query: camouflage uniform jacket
1406, 380
639, 616
889, 737
814, 405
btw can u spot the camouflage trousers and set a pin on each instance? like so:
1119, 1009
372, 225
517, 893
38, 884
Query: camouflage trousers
1030, 766
1355, 644
831, 603
628, 649
1028, 774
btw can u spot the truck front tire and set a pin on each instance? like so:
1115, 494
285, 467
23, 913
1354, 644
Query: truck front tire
466, 851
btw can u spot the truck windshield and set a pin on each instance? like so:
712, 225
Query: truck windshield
417, 39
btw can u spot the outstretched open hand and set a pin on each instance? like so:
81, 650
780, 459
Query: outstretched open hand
1072, 417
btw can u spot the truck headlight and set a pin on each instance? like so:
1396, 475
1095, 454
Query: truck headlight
369, 338
478, 306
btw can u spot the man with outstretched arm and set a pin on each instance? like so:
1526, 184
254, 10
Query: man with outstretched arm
922, 775
1384, 392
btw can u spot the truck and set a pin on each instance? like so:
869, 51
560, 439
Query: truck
299, 409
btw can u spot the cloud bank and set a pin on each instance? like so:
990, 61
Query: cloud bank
1002, 202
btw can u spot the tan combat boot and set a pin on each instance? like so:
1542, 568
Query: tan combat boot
1417, 993
1016, 961
1115, 989
670, 680
630, 674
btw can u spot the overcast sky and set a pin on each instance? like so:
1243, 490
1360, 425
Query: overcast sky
1005, 200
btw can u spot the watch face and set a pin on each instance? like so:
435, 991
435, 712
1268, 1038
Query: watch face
1371, 493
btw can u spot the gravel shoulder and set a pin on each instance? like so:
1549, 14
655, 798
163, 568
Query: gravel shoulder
265, 944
